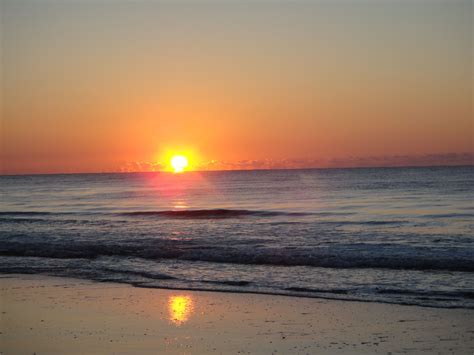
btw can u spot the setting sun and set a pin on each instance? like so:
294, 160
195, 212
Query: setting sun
179, 163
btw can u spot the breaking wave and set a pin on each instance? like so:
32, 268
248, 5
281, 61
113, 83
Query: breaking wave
342, 256
211, 213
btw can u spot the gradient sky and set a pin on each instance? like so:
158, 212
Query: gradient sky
98, 85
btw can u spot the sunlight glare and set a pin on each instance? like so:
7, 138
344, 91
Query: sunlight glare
179, 163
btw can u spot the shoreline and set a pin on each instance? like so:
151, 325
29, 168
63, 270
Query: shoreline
233, 291
107, 317
276, 294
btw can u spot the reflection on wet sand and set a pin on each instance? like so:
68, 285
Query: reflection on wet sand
180, 309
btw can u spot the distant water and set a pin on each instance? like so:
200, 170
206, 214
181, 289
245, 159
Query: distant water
397, 235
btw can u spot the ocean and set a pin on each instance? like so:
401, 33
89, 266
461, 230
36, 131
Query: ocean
394, 235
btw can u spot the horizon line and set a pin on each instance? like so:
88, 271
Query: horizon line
243, 170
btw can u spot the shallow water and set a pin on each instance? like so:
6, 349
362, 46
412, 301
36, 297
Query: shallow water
398, 235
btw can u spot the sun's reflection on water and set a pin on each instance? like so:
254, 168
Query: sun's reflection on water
180, 205
180, 308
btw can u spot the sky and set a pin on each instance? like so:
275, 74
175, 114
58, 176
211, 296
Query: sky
95, 86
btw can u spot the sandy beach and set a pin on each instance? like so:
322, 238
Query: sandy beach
50, 315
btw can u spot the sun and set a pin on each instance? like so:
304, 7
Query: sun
179, 163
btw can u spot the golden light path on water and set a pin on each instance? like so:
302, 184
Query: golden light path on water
180, 308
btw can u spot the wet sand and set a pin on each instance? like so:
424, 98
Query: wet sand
50, 315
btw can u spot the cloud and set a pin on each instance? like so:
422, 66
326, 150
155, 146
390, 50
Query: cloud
442, 159
141, 166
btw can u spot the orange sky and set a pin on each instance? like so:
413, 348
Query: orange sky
90, 86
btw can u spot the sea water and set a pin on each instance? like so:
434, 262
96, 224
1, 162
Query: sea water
396, 235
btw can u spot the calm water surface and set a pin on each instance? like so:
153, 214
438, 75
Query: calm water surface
401, 235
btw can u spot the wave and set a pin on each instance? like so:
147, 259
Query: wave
446, 294
346, 257
190, 214
367, 223
219, 213
305, 289
148, 275
211, 213
229, 282
429, 298
450, 215
23, 220
415, 288
24, 213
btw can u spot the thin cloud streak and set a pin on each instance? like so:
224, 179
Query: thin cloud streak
447, 159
